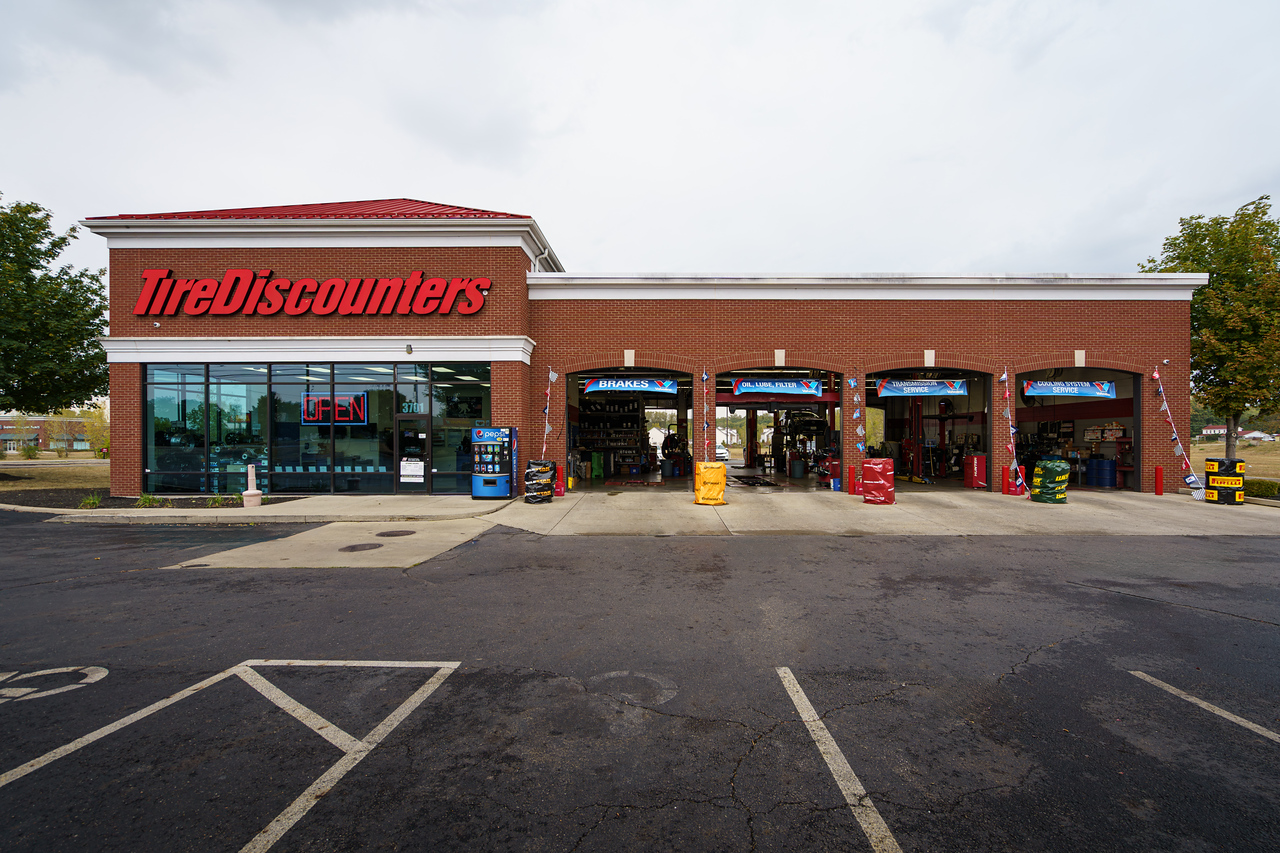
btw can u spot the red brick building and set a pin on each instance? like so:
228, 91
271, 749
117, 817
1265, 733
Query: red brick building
313, 340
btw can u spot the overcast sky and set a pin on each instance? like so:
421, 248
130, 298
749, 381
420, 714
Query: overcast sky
736, 137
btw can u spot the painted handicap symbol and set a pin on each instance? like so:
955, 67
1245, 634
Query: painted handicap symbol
9, 693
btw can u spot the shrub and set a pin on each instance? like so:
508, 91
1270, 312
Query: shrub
93, 500
145, 501
218, 500
1261, 488
30, 451
60, 452
4, 454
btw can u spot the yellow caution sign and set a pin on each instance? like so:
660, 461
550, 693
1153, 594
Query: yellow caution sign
708, 483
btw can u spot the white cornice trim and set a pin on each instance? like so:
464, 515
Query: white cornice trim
324, 234
1176, 287
301, 349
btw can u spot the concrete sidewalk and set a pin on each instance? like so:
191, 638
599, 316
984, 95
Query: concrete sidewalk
646, 512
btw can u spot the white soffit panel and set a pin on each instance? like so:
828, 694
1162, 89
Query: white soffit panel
291, 349
322, 234
1177, 287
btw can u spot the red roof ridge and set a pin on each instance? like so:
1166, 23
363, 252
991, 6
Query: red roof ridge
387, 208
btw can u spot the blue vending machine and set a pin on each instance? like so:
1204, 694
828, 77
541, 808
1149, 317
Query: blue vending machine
493, 452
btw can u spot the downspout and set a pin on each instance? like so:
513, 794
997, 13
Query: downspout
537, 262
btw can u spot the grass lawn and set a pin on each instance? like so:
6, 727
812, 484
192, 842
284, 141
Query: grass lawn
1261, 460
55, 475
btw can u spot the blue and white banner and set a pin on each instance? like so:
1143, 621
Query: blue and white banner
659, 386
1069, 389
922, 387
778, 386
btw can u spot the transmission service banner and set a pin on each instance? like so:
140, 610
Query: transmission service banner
1069, 389
778, 386
922, 387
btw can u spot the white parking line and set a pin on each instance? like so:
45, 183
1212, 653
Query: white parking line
1226, 715
299, 807
877, 831
354, 750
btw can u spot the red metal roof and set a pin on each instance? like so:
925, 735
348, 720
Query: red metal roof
387, 208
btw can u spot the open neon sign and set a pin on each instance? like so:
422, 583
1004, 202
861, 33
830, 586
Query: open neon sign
335, 408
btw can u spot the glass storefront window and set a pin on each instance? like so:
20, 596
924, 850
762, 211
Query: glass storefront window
301, 372
363, 437
308, 427
372, 373
237, 430
456, 407
462, 372
175, 414
300, 440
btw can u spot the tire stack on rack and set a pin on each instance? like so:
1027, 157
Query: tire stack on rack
1225, 481
539, 481
1049, 482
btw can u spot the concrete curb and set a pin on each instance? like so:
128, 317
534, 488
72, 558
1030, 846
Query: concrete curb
239, 516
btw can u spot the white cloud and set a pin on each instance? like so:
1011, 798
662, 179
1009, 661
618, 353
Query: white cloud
716, 136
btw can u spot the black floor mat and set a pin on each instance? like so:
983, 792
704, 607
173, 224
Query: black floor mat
754, 481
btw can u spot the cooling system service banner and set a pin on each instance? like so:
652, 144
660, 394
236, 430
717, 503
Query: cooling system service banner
1069, 389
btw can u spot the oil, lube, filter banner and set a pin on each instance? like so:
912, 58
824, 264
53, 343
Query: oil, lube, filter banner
778, 386
1033, 388
660, 386
922, 387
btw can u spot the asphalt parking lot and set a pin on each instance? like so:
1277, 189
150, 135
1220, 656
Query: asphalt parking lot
521, 692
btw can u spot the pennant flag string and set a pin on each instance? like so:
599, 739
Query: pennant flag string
552, 376
1190, 478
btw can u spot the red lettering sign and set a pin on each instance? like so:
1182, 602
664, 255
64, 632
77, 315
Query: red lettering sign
242, 291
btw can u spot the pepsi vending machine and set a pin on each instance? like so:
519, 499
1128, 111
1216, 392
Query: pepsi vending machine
493, 451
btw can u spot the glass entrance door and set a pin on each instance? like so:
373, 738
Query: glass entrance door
413, 455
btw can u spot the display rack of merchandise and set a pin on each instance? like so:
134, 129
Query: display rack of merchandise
1124, 461
615, 426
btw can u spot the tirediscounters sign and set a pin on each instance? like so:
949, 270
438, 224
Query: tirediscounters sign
922, 387
247, 292
1069, 389
778, 386
660, 386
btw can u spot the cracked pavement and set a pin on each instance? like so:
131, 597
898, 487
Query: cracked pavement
620, 693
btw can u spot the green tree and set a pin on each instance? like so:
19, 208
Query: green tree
98, 428
50, 319
1235, 318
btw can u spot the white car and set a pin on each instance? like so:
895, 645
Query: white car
722, 454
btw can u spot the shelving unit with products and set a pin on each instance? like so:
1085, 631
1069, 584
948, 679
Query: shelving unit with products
1124, 462
613, 426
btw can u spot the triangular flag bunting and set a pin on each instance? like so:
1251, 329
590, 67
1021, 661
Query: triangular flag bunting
554, 376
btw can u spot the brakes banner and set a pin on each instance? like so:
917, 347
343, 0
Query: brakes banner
922, 387
778, 386
660, 386
246, 292
1069, 389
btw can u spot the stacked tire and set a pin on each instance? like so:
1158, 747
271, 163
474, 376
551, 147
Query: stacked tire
1049, 482
1224, 481
539, 481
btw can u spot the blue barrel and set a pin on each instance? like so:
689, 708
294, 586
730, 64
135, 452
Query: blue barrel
1106, 473
1091, 472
